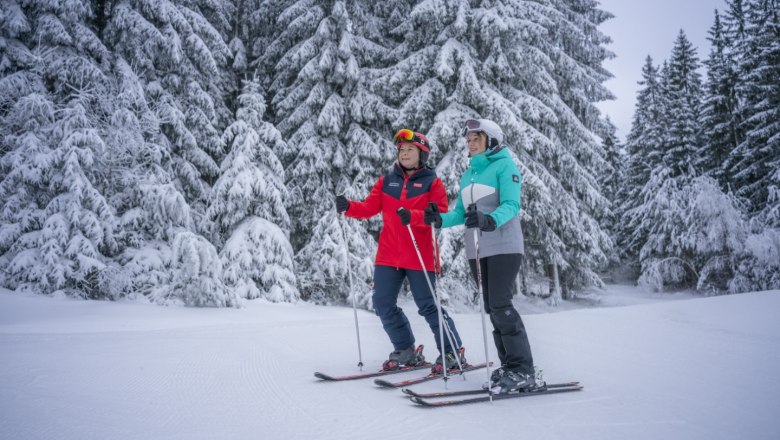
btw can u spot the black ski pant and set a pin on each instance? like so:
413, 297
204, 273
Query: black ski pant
498, 275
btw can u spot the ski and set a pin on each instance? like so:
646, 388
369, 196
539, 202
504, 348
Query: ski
420, 357
409, 382
434, 395
429, 404
329, 378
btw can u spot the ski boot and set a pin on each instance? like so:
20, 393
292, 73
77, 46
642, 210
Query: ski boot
495, 375
409, 357
515, 382
451, 362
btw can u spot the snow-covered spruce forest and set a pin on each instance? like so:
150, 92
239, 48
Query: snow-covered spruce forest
189, 151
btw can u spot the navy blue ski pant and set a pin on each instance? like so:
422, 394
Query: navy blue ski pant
387, 285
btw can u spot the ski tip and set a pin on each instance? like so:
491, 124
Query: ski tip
563, 389
422, 403
418, 401
383, 383
563, 384
408, 392
322, 376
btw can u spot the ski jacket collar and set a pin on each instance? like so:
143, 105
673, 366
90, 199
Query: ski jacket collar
482, 160
420, 172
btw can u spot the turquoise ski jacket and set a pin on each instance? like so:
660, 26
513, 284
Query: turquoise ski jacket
493, 182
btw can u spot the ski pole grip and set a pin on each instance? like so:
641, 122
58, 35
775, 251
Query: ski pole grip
434, 207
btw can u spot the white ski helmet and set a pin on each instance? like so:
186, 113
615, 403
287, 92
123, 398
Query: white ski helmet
495, 136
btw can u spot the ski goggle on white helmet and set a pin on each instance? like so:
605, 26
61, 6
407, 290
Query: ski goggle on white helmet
493, 132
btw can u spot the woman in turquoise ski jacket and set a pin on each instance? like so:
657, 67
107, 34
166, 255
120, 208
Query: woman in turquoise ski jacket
489, 200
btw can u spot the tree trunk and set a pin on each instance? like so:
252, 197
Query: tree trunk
555, 298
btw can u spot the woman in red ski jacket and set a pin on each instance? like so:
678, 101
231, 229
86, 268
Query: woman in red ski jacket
401, 196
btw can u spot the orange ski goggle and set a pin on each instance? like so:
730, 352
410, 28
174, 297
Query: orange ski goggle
406, 135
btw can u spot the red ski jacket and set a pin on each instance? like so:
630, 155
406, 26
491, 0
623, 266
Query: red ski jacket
413, 192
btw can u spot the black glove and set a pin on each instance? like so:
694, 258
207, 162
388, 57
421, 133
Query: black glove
431, 215
342, 204
476, 219
405, 215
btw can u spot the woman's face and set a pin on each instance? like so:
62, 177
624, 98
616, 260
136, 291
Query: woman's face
409, 155
476, 143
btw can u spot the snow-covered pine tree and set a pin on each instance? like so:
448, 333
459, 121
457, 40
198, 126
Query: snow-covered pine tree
170, 59
254, 30
26, 113
258, 262
20, 63
655, 225
752, 167
719, 124
334, 127
25, 125
276, 27
715, 232
58, 230
734, 25
759, 263
611, 178
178, 49
195, 275
577, 53
683, 97
696, 235
251, 181
335, 269
150, 207
689, 233
180, 54
644, 145
756, 167
734, 22
247, 207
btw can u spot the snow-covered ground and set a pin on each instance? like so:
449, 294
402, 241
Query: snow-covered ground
703, 368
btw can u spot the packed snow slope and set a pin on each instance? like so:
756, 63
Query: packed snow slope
704, 368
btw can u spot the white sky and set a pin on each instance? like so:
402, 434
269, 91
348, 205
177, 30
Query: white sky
643, 28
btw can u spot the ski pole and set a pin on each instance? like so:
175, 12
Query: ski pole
437, 271
352, 292
482, 303
436, 300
